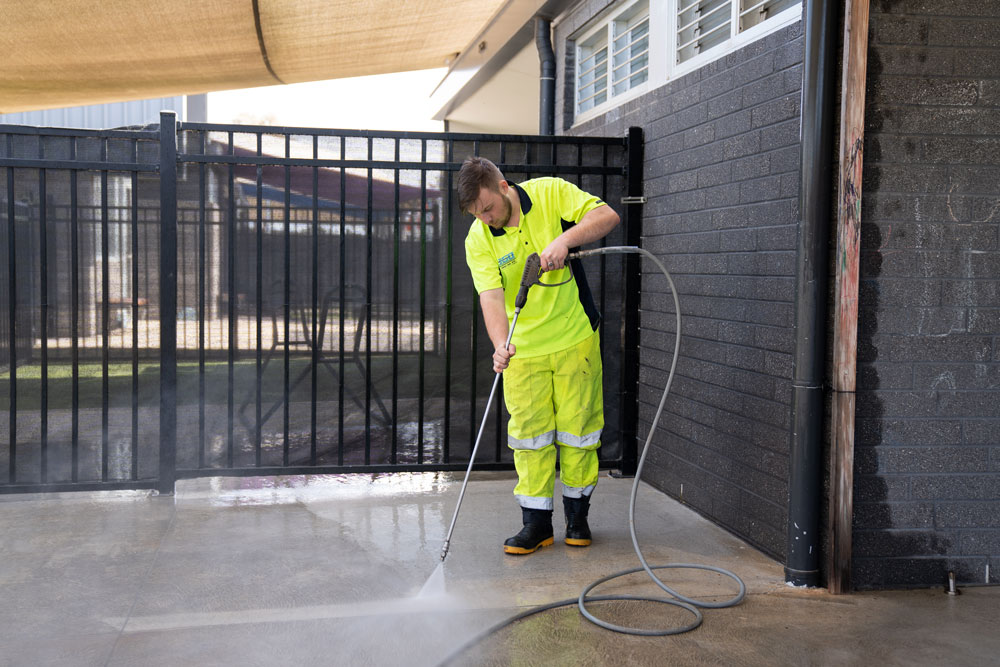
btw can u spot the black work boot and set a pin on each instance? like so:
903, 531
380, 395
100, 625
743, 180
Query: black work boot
536, 533
577, 530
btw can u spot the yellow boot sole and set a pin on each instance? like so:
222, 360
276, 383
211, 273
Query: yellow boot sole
520, 551
574, 542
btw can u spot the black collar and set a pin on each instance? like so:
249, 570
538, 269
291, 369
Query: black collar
525, 201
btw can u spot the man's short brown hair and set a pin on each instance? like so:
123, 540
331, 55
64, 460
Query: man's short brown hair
476, 173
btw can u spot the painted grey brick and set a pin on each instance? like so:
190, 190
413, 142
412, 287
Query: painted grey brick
924, 349
973, 514
715, 174
896, 543
909, 432
755, 69
779, 135
884, 376
968, 150
721, 196
716, 84
933, 459
788, 54
724, 105
894, 515
752, 166
947, 31
776, 238
775, 111
914, 60
786, 160
908, 178
768, 88
900, 30
737, 240
765, 189
957, 376
899, 293
971, 293
981, 432
733, 124
955, 487
923, 91
869, 488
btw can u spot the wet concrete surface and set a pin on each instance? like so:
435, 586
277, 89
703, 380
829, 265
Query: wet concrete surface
327, 570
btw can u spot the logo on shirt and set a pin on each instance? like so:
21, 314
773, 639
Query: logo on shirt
506, 260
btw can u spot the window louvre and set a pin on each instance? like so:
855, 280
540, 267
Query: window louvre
702, 25
592, 80
755, 12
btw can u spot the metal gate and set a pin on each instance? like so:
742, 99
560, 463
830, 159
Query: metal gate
196, 300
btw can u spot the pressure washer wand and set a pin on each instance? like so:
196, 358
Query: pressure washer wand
532, 270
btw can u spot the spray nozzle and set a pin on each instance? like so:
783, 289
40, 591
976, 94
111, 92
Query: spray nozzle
532, 271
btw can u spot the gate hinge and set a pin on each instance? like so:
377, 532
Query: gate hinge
641, 199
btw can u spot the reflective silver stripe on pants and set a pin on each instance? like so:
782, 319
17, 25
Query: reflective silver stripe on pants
577, 492
539, 441
579, 441
534, 502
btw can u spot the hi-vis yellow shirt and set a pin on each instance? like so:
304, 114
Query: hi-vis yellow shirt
553, 318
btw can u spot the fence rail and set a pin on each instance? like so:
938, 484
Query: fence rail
195, 299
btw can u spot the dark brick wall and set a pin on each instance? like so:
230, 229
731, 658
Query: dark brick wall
722, 179
927, 488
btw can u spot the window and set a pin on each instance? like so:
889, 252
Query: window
628, 33
630, 56
641, 44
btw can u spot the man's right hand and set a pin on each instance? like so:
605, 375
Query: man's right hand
501, 358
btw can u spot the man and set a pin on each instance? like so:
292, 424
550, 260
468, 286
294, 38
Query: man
552, 369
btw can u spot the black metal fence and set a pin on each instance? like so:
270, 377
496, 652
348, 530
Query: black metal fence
193, 299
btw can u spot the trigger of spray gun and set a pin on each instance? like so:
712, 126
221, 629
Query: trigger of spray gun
532, 270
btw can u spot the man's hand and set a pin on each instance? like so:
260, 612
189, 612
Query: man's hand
554, 255
501, 358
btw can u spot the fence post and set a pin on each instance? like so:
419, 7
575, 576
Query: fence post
632, 281
168, 302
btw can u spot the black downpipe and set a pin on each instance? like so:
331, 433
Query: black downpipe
805, 474
547, 59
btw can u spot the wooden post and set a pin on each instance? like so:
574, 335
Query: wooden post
845, 335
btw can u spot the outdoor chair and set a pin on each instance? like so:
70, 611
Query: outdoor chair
326, 359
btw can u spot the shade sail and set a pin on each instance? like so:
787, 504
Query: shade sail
72, 52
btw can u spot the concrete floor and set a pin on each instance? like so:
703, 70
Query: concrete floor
328, 570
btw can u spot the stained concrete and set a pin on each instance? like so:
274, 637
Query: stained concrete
327, 570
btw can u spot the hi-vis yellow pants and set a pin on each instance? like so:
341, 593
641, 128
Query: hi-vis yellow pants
555, 400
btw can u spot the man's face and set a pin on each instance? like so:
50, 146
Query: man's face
492, 208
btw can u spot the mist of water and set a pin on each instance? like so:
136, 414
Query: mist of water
435, 583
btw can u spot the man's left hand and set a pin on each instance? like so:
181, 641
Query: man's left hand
553, 257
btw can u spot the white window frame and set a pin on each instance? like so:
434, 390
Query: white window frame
605, 24
663, 65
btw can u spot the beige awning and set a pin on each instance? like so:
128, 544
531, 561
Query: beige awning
56, 53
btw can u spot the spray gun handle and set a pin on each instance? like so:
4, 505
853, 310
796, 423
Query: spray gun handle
532, 270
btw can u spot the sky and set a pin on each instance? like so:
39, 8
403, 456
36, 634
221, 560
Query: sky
399, 101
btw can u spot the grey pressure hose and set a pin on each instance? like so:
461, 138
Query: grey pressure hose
690, 604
